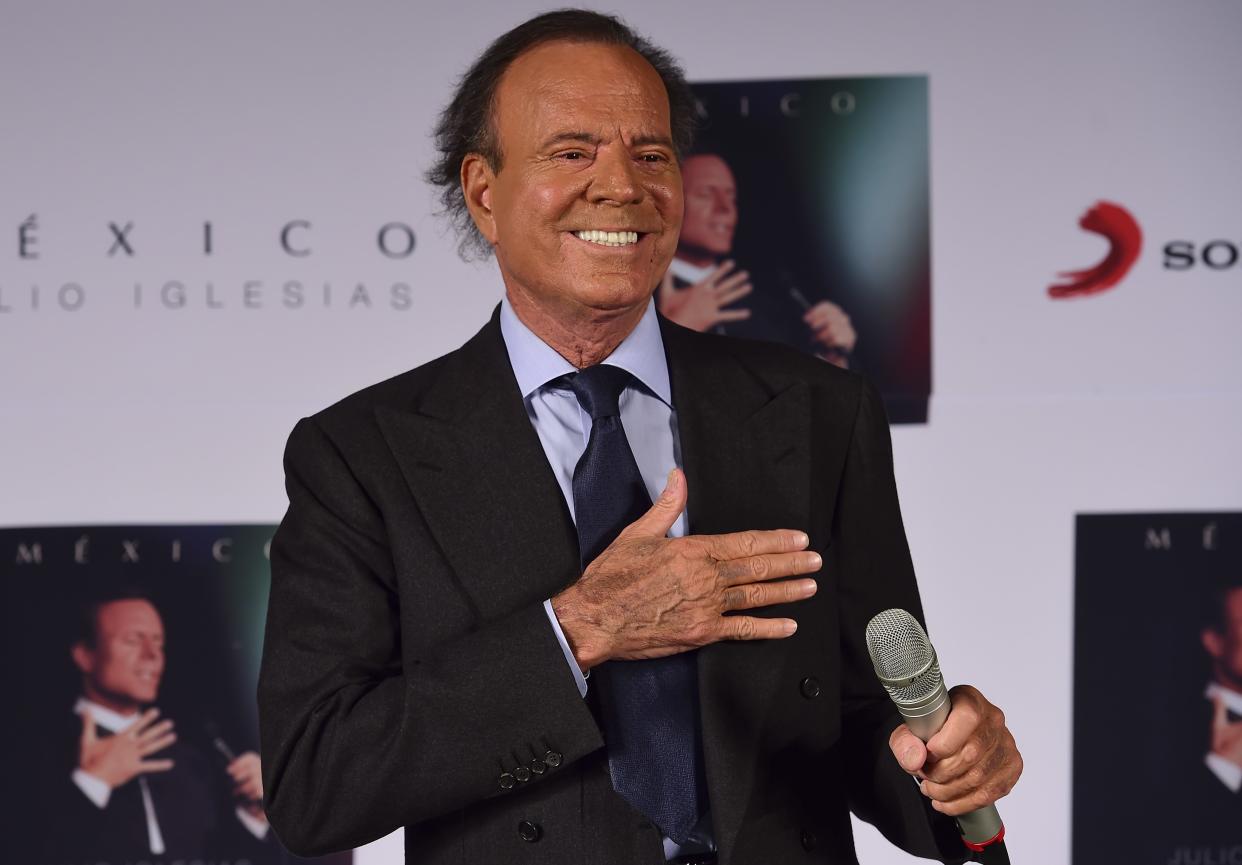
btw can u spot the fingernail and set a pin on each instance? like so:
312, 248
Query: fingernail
910, 757
802, 540
817, 561
790, 627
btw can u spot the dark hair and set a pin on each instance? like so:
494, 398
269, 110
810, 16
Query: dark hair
87, 626
466, 124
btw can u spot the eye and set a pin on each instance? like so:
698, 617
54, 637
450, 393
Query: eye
572, 155
653, 158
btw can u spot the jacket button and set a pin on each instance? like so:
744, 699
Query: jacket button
507, 781
809, 688
529, 831
538, 767
522, 774
552, 758
809, 841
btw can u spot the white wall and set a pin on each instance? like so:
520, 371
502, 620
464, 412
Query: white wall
250, 115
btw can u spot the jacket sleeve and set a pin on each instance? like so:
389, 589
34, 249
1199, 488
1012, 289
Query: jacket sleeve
876, 573
360, 737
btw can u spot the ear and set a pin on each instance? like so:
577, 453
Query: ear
477, 180
83, 658
1212, 643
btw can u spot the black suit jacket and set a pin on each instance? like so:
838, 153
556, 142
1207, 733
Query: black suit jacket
409, 664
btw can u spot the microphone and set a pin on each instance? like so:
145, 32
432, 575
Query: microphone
906, 665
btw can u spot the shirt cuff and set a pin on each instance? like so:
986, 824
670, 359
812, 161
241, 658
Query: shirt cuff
96, 789
569, 653
258, 828
1230, 774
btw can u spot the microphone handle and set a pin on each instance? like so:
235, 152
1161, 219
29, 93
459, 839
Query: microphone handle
981, 830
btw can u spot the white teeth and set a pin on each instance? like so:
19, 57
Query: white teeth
608, 238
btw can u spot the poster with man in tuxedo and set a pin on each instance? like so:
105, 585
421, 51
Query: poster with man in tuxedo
1158, 689
134, 738
807, 222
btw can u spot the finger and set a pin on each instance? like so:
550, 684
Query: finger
908, 748
965, 716
771, 566
661, 516
985, 773
753, 595
144, 720
732, 281
155, 731
155, 765
977, 752
717, 272
732, 315
725, 298
157, 745
754, 628
737, 545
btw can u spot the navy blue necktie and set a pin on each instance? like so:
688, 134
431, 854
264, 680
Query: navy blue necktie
649, 708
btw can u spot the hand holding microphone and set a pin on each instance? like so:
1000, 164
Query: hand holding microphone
955, 741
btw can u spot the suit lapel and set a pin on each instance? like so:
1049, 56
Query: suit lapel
744, 448
476, 467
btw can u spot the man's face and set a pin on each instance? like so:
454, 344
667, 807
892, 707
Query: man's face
711, 206
1225, 644
586, 144
124, 666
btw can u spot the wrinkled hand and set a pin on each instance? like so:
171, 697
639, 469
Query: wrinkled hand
1226, 735
118, 759
971, 762
832, 329
647, 595
699, 306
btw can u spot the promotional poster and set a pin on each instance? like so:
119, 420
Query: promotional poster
1158, 689
813, 194
155, 633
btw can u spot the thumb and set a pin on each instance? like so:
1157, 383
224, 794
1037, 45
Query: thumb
908, 748
88, 727
665, 289
667, 508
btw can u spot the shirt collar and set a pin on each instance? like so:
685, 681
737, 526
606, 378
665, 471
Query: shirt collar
535, 363
113, 722
1232, 699
688, 272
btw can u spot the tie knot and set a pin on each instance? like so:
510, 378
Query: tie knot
598, 389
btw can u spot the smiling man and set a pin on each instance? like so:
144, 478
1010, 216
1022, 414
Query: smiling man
592, 588
124, 788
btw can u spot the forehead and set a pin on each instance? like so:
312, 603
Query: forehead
127, 615
581, 87
706, 169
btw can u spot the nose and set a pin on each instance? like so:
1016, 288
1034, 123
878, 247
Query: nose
615, 180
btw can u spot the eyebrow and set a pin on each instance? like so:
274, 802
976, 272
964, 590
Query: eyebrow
641, 140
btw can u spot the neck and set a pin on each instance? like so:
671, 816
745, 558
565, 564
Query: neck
582, 335
697, 257
120, 705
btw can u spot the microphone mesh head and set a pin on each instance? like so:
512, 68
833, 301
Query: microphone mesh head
900, 649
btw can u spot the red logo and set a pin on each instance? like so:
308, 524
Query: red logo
1125, 240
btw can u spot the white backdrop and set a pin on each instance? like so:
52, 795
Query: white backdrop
253, 115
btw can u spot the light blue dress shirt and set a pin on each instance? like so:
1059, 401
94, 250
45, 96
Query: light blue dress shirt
564, 429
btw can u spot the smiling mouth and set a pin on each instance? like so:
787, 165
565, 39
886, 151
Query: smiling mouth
608, 238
